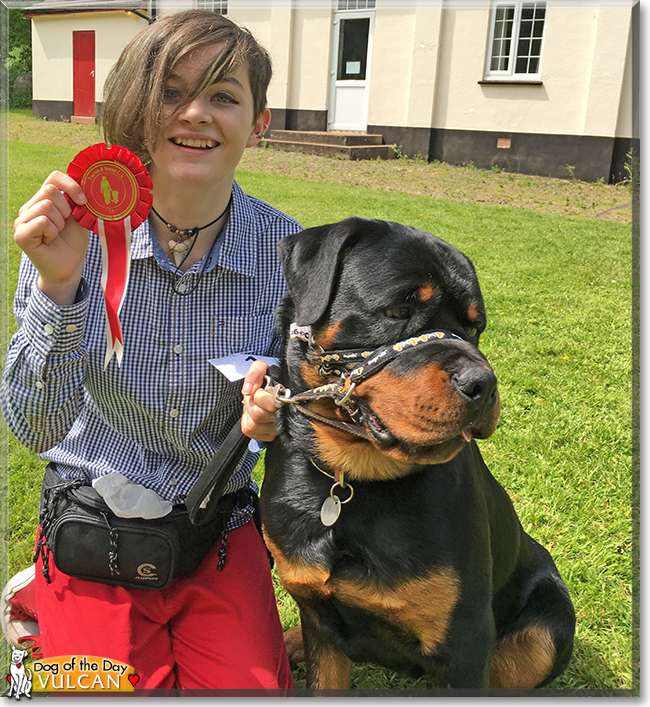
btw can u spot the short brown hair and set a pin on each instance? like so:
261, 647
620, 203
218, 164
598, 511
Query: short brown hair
132, 112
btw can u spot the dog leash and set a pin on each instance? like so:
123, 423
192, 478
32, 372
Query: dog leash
202, 500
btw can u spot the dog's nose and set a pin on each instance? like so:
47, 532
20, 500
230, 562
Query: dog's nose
477, 385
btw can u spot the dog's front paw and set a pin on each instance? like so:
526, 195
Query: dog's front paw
294, 645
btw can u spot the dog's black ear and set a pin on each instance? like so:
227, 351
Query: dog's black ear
310, 261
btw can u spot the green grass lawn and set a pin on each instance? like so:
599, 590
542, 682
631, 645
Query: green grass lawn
558, 295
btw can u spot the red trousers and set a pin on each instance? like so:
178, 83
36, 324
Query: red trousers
209, 630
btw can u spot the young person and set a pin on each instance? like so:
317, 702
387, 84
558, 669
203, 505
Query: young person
187, 95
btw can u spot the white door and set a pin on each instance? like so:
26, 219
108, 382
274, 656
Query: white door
350, 71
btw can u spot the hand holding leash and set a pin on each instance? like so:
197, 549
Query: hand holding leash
258, 418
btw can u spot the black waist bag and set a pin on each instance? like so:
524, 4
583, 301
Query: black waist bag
87, 540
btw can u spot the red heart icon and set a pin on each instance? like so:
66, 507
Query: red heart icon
133, 679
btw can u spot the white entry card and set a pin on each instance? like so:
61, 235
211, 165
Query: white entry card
236, 367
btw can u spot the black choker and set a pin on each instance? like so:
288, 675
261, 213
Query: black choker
180, 247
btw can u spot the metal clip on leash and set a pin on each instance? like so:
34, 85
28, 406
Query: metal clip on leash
346, 397
281, 395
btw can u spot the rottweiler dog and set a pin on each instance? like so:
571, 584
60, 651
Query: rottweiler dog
386, 526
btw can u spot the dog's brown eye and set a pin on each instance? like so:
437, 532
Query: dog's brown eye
398, 312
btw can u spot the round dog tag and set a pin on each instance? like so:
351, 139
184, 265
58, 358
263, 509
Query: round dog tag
330, 510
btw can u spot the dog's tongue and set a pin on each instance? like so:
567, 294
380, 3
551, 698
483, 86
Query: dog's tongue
466, 435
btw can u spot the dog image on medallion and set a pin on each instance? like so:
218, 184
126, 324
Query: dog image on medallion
386, 526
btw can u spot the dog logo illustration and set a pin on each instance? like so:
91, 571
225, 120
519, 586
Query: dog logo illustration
20, 677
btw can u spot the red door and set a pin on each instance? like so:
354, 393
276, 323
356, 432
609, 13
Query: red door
83, 73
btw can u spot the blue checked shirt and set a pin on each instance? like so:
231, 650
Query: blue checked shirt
159, 417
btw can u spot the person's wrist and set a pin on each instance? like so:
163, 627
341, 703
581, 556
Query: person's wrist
61, 292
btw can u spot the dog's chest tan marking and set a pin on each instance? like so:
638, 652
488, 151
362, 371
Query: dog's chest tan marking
356, 457
298, 577
422, 607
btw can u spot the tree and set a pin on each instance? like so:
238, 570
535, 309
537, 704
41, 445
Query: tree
18, 57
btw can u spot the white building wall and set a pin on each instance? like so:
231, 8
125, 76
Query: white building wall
557, 106
310, 65
52, 49
582, 71
625, 126
390, 76
404, 66
165, 7
611, 29
425, 51
298, 40
426, 90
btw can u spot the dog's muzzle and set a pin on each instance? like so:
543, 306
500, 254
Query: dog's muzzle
352, 366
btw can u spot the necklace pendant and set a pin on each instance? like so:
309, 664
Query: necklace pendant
330, 510
179, 250
179, 246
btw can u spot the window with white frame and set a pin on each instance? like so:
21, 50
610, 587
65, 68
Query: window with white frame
516, 36
355, 4
218, 6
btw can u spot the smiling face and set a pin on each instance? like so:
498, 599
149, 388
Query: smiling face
132, 109
204, 139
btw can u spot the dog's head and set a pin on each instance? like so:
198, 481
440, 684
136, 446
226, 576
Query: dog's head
362, 284
18, 655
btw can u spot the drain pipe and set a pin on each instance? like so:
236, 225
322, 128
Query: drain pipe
151, 18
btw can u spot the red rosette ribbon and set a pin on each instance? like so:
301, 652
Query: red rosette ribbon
118, 188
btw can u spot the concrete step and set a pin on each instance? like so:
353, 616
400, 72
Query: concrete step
345, 146
325, 138
344, 152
